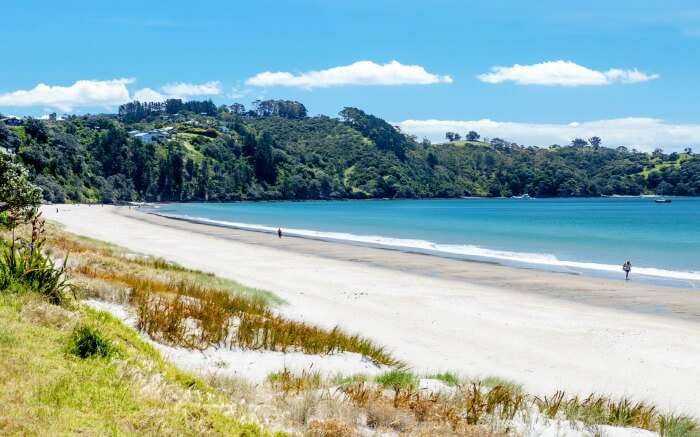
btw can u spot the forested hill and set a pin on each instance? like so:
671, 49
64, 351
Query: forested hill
186, 151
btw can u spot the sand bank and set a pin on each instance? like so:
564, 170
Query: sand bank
547, 330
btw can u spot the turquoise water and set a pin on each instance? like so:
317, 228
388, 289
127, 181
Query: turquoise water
590, 236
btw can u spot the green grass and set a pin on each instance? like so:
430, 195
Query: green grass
678, 426
397, 378
44, 390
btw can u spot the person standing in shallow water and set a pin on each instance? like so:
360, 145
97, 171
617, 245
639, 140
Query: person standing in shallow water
279, 232
627, 268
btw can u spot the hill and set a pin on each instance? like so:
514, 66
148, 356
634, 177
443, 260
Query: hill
191, 151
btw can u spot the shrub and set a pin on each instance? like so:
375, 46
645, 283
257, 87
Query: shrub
23, 263
86, 342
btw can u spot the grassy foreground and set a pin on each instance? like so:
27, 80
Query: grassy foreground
46, 389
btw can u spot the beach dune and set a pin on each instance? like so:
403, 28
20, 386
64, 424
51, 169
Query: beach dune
548, 331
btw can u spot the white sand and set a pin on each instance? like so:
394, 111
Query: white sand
442, 324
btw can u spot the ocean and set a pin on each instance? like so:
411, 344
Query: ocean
592, 236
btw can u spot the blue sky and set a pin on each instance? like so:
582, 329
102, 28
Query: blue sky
215, 49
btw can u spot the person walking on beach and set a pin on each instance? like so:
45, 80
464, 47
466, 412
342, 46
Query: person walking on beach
279, 232
627, 268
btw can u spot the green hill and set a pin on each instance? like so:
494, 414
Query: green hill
278, 152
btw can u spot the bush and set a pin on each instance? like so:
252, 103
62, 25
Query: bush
23, 265
86, 342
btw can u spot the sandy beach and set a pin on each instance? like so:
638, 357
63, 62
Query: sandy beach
546, 330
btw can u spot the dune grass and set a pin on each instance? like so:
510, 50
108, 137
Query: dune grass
598, 409
45, 389
288, 382
193, 309
397, 379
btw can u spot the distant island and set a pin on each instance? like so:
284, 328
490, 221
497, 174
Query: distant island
196, 151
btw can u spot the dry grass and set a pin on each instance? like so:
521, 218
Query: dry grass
329, 428
287, 382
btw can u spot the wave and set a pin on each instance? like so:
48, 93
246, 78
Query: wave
451, 250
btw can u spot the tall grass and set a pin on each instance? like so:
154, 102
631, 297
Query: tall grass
602, 410
185, 313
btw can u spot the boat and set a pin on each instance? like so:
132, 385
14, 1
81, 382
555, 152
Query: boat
662, 200
524, 196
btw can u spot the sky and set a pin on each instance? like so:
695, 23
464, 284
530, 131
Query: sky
538, 72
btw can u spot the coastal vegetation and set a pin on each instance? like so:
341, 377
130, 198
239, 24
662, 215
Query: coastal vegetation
189, 151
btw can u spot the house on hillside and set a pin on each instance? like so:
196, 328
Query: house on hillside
12, 121
155, 135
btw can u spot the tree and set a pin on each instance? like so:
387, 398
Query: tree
8, 139
688, 150
237, 109
579, 142
595, 142
280, 108
453, 136
472, 136
36, 129
384, 135
431, 159
19, 198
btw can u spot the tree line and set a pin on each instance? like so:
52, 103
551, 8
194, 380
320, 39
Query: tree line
276, 151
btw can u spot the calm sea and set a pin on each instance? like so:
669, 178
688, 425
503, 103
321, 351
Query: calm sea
588, 236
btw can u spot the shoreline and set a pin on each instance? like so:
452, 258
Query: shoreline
594, 290
576, 268
547, 330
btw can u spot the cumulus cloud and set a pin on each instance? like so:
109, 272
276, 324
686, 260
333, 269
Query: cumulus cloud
562, 73
642, 133
183, 89
148, 95
358, 73
83, 93
102, 93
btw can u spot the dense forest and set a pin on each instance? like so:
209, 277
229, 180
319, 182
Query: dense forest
186, 151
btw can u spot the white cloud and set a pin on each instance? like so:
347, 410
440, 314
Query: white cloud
148, 95
83, 93
358, 73
182, 89
562, 73
642, 133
